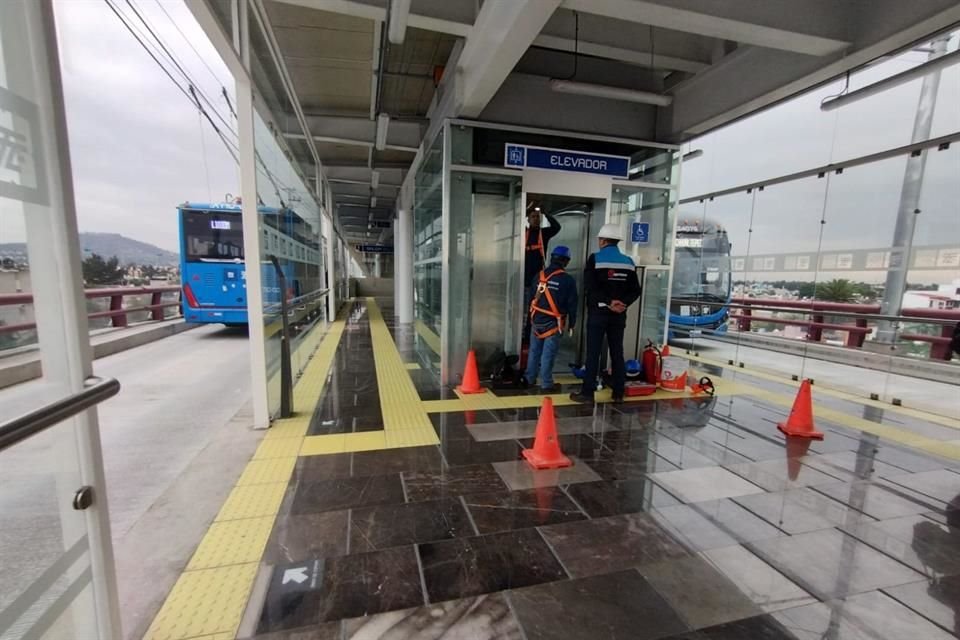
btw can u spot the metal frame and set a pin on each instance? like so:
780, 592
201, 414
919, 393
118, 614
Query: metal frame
446, 376
942, 143
566, 134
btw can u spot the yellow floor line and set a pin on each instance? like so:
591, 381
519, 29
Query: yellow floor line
946, 421
209, 597
887, 432
431, 339
412, 366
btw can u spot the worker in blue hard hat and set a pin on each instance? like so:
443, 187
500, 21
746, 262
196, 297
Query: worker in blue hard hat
553, 310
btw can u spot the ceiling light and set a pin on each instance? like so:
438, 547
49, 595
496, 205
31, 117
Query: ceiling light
383, 123
611, 93
397, 28
895, 80
692, 155
375, 179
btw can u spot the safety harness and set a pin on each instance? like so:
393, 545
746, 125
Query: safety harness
539, 245
543, 291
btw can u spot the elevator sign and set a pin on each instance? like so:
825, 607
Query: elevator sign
521, 156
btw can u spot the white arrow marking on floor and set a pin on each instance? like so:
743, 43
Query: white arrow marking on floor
298, 575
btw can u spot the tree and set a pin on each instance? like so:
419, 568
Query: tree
97, 271
838, 290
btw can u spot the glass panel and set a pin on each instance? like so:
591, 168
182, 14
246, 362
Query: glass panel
45, 560
428, 253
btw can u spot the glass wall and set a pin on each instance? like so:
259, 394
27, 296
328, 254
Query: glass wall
816, 263
428, 254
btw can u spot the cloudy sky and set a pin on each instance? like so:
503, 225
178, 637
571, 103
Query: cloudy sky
138, 146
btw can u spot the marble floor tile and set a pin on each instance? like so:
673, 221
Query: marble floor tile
310, 469
764, 627
698, 592
682, 456
326, 590
606, 545
484, 564
616, 606
880, 501
375, 528
930, 547
867, 616
324, 631
451, 482
629, 465
909, 461
762, 584
800, 510
604, 498
942, 484
386, 461
456, 424
714, 524
831, 564
520, 475
774, 475
344, 493
486, 617
527, 428
466, 452
492, 512
313, 535
700, 485
937, 600
850, 465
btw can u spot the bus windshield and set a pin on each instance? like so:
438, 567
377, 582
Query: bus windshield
212, 236
701, 268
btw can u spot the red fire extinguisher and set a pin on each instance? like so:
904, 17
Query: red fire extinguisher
650, 359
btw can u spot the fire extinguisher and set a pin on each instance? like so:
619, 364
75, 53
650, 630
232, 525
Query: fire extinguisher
651, 360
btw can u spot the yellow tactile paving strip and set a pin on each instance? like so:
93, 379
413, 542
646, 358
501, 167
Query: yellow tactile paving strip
431, 339
208, 600
945, 421
405, 420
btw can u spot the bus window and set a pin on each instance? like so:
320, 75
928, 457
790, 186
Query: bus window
212, 236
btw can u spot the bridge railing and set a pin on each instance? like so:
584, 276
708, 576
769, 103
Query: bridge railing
113, 307
857, 322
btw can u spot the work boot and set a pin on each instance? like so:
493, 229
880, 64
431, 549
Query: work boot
577, 396
554, 388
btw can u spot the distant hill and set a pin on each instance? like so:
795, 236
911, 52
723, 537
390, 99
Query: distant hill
127, 250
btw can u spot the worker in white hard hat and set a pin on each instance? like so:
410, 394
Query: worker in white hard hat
611, 285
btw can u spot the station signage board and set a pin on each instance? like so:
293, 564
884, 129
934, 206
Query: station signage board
521, 156
373, 248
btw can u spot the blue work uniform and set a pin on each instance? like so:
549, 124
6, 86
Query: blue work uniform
609, 275
553, 309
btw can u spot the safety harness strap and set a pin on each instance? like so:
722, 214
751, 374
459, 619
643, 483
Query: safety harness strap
543, 290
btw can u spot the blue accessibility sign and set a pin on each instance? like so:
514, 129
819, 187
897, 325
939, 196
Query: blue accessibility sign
640, 233
520, 156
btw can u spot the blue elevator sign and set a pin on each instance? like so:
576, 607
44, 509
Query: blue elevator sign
520, 156
640, 233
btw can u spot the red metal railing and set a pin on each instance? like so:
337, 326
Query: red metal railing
856, 330
117, 313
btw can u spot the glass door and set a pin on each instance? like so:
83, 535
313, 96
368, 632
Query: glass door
56, 565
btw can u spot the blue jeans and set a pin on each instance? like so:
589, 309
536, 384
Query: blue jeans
543, 351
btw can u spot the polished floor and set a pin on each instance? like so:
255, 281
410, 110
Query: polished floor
683, 518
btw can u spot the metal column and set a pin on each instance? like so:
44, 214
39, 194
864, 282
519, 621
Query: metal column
403, 246
908, 211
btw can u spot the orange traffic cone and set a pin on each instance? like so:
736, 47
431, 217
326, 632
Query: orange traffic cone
800, 421
796, 449
546, 452
471, 379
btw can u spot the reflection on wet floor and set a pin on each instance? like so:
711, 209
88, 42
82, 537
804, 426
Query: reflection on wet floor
683, 518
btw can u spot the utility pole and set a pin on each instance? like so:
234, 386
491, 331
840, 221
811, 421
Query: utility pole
886, 337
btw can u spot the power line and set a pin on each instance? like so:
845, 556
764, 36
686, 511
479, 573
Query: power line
190, 44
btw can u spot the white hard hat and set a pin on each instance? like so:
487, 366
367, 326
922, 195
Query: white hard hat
611, 231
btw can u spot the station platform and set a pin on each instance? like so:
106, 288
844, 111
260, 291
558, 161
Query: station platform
389, 507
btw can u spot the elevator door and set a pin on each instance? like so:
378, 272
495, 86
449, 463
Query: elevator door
574, 227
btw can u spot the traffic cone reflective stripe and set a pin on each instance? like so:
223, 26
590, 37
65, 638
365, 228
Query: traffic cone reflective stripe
546, 453
800, 422
471, 379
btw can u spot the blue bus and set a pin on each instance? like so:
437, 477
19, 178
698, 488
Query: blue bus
702, 282
212, 261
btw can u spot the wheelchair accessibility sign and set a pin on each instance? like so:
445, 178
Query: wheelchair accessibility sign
640, 233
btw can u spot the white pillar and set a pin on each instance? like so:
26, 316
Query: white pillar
376, 265
403, 246
331, 235
396, 270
